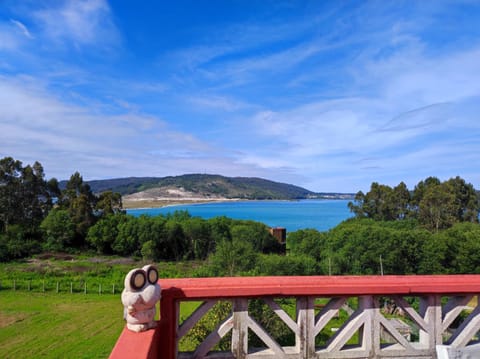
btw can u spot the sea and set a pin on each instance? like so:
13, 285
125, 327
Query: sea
321, 214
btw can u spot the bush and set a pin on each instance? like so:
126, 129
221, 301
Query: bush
274, 264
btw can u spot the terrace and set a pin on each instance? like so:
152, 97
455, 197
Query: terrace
439, 310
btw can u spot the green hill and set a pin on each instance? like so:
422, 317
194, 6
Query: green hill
211, 186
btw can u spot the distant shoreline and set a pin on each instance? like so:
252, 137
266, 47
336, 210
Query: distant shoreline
163, 202
160, 203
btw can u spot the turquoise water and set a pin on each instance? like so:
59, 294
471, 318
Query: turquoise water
293, 215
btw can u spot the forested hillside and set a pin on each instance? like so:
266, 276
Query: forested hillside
208, 185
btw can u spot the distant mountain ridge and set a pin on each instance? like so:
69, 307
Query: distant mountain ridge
209, 186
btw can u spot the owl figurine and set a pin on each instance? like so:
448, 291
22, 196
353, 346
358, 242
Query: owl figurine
139, 298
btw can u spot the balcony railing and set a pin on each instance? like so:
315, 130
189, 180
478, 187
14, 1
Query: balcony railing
326, 317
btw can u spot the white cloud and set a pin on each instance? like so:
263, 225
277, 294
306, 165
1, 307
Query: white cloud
22, 28
82, 22
247, 69
412, 74
317, 128
37, 126
218, 102
414, 121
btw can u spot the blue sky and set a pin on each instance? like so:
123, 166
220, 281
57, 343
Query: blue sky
328, 95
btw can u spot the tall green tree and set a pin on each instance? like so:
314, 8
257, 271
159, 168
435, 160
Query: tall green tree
401, 201
25, 200
438, 207
25, 196
357, 207
175, 245
78, 199
378, 203
10, 183
108, 203
198, 236
466, 200
420, 189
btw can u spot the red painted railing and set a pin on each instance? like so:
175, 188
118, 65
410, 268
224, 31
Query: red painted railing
433, 319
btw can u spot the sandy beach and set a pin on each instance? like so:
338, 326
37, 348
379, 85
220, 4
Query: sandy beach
162, 197
165, 202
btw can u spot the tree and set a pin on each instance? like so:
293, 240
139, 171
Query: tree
126, 242
154, 235
363, 246
198, 235
109, 203
58, 229
466, 200
356, 207
79, 201
419, 191
17, 242
232, 258
10, 172
25, 199
102, 235
378, 203
175, 244
25, 196
435, 257
438, 208
306, 242
436, 205
465, 238
257, 235
149, 251
401, 201
220, 229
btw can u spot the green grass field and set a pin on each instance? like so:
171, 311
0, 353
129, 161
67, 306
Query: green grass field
45, 324
50, 325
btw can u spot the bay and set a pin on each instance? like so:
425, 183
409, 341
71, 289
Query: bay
292, 215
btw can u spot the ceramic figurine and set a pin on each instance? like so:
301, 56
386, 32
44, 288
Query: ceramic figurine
139, 298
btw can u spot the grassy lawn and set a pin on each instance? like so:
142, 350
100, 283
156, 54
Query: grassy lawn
51, 325
48, 324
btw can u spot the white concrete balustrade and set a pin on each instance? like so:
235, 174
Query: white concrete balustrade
431, 324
